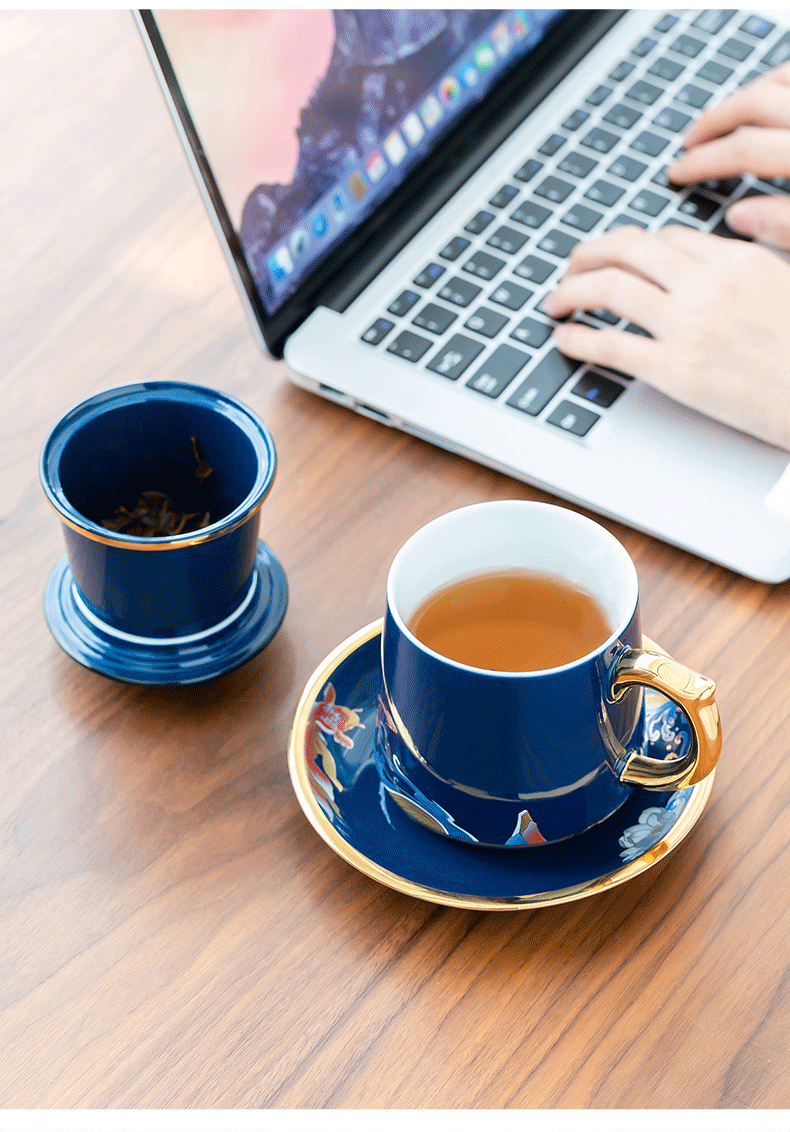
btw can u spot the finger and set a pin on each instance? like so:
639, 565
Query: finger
614, 349
635, 250
750, 149
764, 102
703, 247
624, 294
765, 218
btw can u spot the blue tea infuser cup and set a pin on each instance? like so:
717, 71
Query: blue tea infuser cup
533, 757
176, 608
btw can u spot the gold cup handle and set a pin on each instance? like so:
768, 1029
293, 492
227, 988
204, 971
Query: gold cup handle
694, 695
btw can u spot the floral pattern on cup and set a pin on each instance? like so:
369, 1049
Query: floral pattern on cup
327, 717
653, 825
662, 726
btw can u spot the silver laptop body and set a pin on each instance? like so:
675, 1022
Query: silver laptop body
439, 332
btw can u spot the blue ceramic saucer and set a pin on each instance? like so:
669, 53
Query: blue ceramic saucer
332, 764
186, 660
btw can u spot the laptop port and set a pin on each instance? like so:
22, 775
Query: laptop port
332, 394
374, 414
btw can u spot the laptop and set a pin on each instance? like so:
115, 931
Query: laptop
396, 190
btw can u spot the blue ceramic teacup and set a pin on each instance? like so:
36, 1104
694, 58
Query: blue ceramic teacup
526, 758
174, 589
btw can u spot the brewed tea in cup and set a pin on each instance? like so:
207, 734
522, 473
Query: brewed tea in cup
513, 671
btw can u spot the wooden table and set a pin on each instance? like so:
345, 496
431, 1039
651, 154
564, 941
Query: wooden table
174, 933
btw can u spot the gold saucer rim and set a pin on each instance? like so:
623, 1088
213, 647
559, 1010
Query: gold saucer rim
297, 768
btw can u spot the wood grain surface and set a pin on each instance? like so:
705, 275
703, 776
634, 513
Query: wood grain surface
173, 932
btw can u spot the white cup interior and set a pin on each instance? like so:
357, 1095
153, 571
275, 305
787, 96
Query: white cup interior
513, 534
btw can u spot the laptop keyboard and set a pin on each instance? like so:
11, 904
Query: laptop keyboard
473, 314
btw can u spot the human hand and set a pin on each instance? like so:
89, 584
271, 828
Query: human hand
749, 132
718, 312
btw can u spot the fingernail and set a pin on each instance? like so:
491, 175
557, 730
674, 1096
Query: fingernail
743, 221
560, 333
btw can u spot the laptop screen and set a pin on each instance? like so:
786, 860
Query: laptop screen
311, 118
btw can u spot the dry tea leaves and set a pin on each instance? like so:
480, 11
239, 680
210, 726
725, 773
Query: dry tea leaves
202, 471
155, 516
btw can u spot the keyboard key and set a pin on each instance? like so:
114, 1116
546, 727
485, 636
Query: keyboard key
510, 295
627, 168
693, 96
535, 269
503, 198
404, 302
724, 186
582, 218
530, 214
673, 220
600, 390
712, 20
540, 308
577, 164
479, 222
557, 243
644, 47
713, 72
757, 27
621, 71
651, 144
460, 292
604, 193
650, 204
409, 346
528, 170
623, 116
753, 192
486, 322
670, 119
665, 24
698, 207
434, 318
551, 145
455, 356
782, 183
456, 247
750, 77
573, 418
576, 119
604, 316
666, 69
599, 95
546, 379
623, 221
632, 328
496, 374
722, 229
599, 140
378, 331
779, 53
530, 332
429, 274
645, 93
483, 265
507, 240
736, 49
687, 45
660, 178
554, 189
